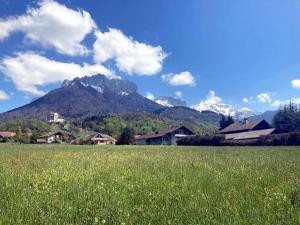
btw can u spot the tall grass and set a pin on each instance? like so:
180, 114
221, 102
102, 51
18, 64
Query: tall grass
61, 184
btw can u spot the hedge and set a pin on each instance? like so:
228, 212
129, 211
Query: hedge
292, 138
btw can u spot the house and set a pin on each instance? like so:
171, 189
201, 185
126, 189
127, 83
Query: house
6, 135
56, 118
166, 137
247, 130
50, 137
100, 139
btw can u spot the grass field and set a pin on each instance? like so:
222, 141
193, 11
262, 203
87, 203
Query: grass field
61, 184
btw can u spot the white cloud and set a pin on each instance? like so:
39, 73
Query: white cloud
178, 94
131, 56
52, 24
264, 97
278, 103
215, 104
180, 79
295, 83
246, 100
4, 95
249, 100
150, 96
29, 70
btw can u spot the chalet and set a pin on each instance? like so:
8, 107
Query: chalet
247, 130
50, 137
100, 139
6, 135
166, 137
56, 118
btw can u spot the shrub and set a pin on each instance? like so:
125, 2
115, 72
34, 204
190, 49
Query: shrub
292, 138
206, 140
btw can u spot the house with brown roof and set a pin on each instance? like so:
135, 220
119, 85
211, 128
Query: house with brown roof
248, 129
50, 137
6, 135
100, 139
165, 137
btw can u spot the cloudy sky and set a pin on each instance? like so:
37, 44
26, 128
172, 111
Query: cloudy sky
242, 53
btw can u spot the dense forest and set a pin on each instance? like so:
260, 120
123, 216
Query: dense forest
140, 123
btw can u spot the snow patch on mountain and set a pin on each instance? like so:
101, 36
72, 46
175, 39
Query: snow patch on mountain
245, 113
164, 102
169, 101
215, 104
98, 89
123, 93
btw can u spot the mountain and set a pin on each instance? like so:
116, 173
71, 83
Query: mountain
267, 115
191, 115
215, 104
169, 101
245, 112
86, 96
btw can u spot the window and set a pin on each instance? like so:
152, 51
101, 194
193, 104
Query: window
180, 131
165, 139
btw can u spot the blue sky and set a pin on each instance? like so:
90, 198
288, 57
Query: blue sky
242, 53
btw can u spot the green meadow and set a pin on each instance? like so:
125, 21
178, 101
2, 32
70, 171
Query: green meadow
64, 184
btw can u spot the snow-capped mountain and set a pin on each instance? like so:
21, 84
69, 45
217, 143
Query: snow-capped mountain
215, 104
169, 101
245, 113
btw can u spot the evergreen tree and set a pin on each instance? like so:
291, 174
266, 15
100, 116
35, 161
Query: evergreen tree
287, 119
126, 137
225, 121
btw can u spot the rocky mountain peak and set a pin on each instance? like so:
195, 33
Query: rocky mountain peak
102, 84
170, 101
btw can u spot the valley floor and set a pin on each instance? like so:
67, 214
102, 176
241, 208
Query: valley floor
64, 184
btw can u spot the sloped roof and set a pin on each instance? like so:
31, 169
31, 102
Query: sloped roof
50, 134
249, 134
7, 134
100, 137
161, 134
240, 126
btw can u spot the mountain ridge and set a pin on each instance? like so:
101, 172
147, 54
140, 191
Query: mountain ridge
79, 97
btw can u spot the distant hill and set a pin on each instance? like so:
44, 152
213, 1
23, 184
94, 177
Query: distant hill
267, 115
191, 115
84, 96
141, 123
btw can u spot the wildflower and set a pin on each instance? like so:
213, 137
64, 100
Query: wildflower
103, 221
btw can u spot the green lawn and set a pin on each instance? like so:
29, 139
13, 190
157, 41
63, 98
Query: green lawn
63, 184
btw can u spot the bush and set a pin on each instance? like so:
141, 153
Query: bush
292, 138
205, 140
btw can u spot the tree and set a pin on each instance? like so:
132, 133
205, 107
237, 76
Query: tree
113, 126
287, 119
225, 121
126, 137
